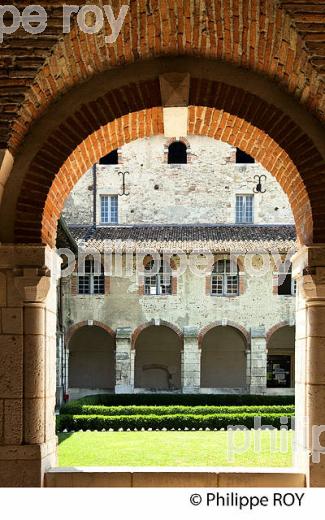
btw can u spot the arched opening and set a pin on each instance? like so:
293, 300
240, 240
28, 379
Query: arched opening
223, 359
91, 362
177, 153
281, 359
158, 359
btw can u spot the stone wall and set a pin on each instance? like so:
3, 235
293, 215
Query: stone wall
203, 191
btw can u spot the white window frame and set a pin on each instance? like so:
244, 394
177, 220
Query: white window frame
244, 197
222, 279
109, 215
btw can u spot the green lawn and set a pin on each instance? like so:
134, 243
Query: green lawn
171, 449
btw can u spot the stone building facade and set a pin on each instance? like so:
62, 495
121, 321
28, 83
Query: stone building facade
224, 324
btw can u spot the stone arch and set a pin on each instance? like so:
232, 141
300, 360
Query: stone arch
154, 323
227, 323
91, 365
277, 327
281, 356
223, 358
157, 365
174, 140
91, 323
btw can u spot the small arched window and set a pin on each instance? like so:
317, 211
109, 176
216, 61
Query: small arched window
225, 279
91, 282
159, 283
243, 157
110, 158
177, 153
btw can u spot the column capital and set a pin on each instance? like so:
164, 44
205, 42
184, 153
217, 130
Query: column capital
123, 333
308, 259
190, 332
258, 332
33, 283
308, 268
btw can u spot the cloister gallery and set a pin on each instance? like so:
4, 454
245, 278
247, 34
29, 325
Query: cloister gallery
250, 74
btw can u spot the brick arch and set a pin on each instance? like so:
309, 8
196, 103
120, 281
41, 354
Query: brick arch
134, 111
162, 323
174, 140
73, 329
243, 332
172, 262
275, 328
262, 36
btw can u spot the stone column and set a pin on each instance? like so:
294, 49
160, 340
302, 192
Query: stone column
309, 271
258, 359
27, 364
191, 361
124, 366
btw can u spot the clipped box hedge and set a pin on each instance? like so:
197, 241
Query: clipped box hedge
185, 400
218, 421
75, 408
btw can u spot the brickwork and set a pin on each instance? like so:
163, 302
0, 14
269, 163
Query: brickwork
282, 43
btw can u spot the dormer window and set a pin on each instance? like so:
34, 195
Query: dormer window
243, 157
177, 153
110, 158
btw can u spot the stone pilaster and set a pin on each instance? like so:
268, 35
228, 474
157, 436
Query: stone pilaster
258, 361
27, 366
124, 362
191, 361
309, 271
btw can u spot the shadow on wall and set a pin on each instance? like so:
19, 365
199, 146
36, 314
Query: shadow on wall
223, 359
158, 359
92, 359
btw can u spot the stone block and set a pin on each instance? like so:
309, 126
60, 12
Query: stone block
20, 473
260, 479
66, 477
13, 421
3, 290
12, 320
181, 479
34, 370
34, 421
11, 366
316, 356
14, 298
34, 319
316, 322
1, 420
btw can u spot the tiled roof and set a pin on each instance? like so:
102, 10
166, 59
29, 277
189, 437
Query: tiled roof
218, 237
